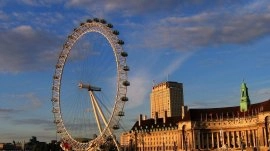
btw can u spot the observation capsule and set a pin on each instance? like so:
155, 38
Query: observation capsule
116, 32
126, 83
89, 20
120, 42
121, 113
124, 98
110, 25
103, 21
126, 68
96, 19
124, 54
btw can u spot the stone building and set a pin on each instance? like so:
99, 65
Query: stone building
166, 97
243, 127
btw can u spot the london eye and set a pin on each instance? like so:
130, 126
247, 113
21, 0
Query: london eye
89, 88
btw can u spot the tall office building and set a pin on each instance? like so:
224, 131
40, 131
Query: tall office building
167, 99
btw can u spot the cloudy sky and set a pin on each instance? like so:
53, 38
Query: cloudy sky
209, 46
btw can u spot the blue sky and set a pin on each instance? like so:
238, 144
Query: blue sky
209, 46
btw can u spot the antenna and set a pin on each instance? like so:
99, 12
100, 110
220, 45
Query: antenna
153, 82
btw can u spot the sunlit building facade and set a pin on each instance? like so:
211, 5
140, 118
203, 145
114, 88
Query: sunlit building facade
242, 127
166, 98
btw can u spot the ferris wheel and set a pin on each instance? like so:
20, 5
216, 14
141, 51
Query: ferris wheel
90, 87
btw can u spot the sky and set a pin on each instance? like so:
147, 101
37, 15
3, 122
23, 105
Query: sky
209, 46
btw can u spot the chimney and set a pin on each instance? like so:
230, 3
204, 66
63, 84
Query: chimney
144, 117
184, 111
140, 120
165, 117
156, 117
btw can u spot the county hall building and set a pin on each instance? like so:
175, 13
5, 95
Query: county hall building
174, 127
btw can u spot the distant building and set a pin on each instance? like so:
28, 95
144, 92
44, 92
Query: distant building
243, 127
166, 99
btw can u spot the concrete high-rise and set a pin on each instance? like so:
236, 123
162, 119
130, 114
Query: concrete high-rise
167, 99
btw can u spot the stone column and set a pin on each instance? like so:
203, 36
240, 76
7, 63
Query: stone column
213, 144
193, 139
239, 138
264, 136
199, 140
207, 141
247, 139
218, 140
202, 140
183, 141
223, 138
233, 139
254, 138
228, 139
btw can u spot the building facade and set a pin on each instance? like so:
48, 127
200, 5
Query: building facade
166, 98
227, 128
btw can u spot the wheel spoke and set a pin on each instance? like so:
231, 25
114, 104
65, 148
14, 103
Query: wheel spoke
68, 72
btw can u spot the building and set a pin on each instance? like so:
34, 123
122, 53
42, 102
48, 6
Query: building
226, 128
166, 98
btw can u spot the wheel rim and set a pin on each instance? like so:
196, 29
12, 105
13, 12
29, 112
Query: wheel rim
58, 88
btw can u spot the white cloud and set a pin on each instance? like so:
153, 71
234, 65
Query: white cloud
139, 89
143, 79
3, 15
20, 49
208, 28
261, 94
175, 64
24, 30
125, 7
21, 102
40, 2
